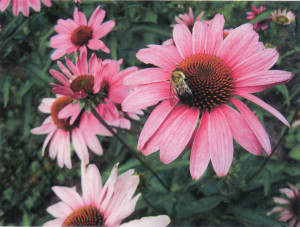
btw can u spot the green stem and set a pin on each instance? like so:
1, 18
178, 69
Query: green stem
131, 151
275, 147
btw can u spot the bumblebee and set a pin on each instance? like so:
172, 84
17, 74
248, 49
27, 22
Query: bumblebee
179, 89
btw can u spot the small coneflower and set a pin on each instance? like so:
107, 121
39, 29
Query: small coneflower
283, 17
261, 25
77, 34
95, 81
61, 132
23, 5
197, 79
76, 1
288, 206
100, 205
188, 20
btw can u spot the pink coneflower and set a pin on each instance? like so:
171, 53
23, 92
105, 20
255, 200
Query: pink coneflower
99, 205
261, 25
283, 18
60, 130
23, 5
288, 208
188, 20
77, 1
206, 71
101, 82
76, 34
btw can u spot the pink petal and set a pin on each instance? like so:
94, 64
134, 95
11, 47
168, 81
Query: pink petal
80, 145
82, 64
59, 210
264, 105
294, 189
183, 40
69, 196
55, 222
288, 192
254, 124
96, 44
46, 141
120, 77
236, 43
276, 210
264, 80
153, 122
174, 133
96, 18
146, 95
160, 56
220, 142
199, 35
72, 67
65, 70
92, 142
158, 221
261, 61
241, 131
91, 185
146, 76
103, 29
58, 54
214, 35
60, 77
200, 155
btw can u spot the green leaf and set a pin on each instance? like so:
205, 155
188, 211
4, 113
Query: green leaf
285, 93
295, 152
26, 221
267, 181
261, 17
255, 218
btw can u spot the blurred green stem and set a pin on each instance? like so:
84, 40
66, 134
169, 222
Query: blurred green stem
275, 147
131, 150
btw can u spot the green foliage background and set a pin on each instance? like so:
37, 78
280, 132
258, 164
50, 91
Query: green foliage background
241, 198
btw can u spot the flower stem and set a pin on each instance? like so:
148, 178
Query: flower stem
275, 147
131, 150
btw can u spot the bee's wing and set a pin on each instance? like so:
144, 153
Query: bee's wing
173, 95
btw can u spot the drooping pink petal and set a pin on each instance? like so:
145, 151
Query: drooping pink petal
173, 134
200, 155
155, 119
264, 105
183, 40
295, 190
47, 139
92, 142
60, 77
214, 35
254, 124
241, 131
80, 145
96, 18
146, 95
220, 142
82, 64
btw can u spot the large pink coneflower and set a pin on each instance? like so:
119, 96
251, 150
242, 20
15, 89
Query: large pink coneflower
61, 132
288, 206
23, 5
261, 25
77, 34
101, 82
99, 205
206, 72
283, 17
